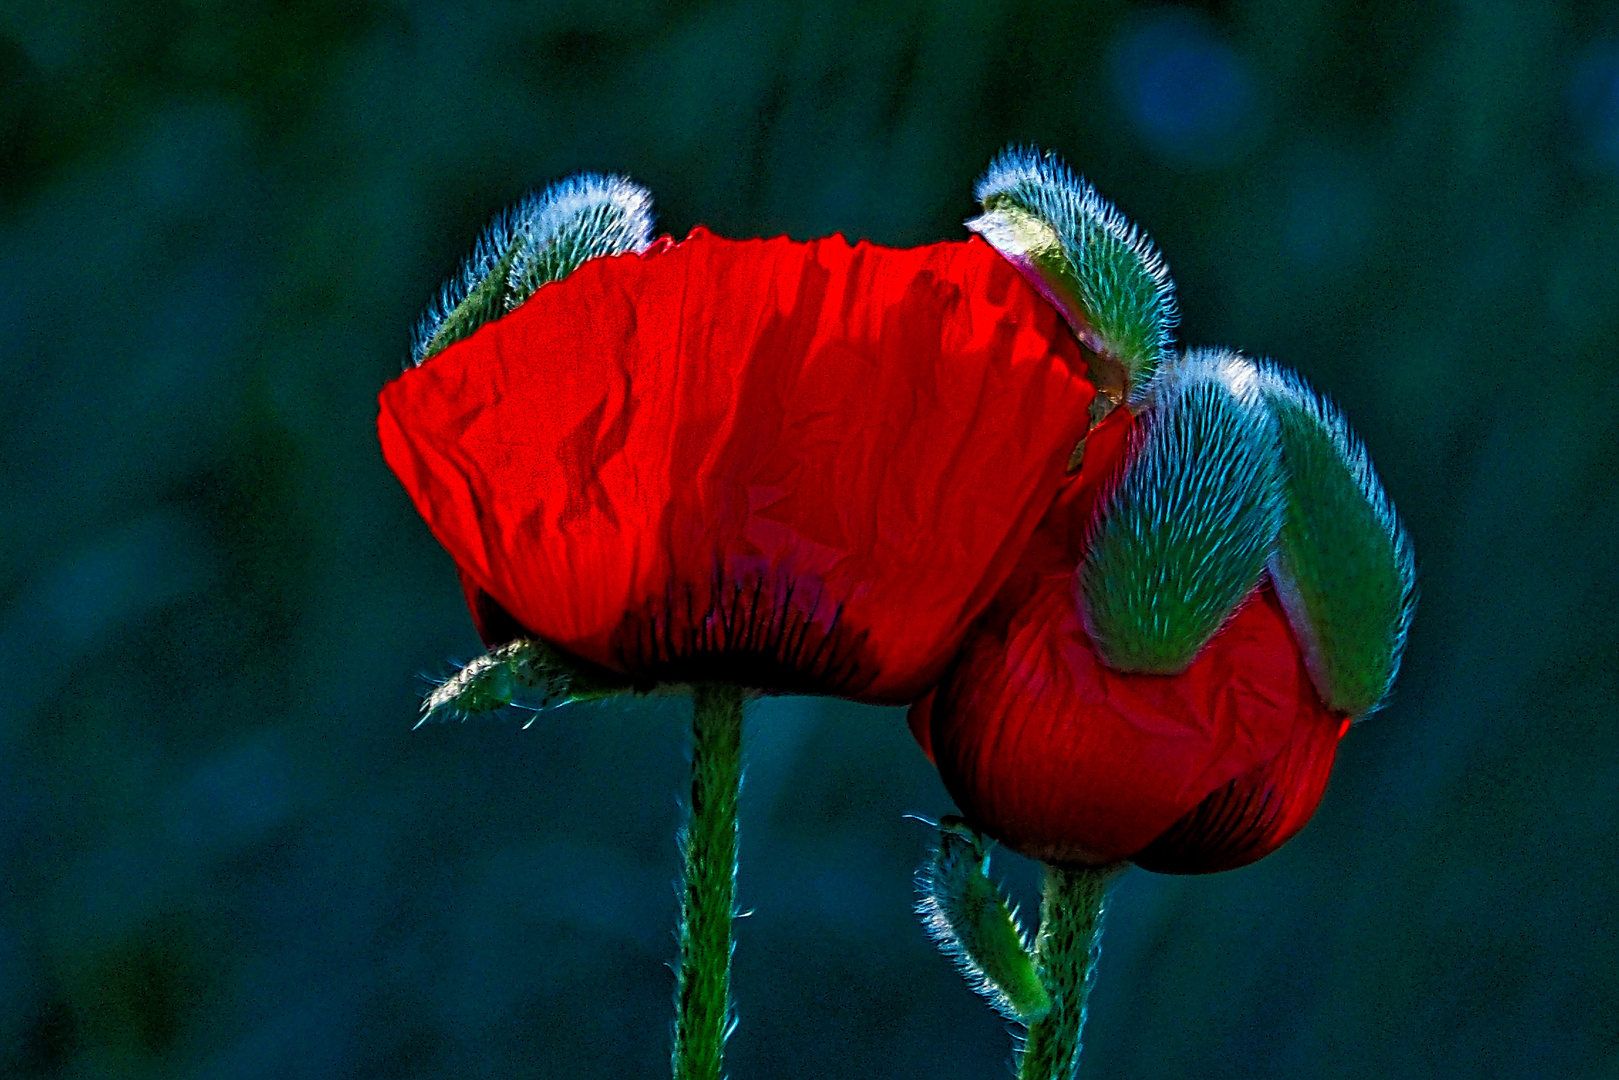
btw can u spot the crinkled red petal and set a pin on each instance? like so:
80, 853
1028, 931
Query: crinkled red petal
793, 465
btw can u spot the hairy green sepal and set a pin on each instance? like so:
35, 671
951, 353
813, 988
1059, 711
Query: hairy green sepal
1099, 270
526, 670
1183, 536
1342, 565
544, 238
970, 921
485, 301
595, 227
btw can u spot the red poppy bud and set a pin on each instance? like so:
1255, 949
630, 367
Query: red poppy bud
792, 466
1062, 757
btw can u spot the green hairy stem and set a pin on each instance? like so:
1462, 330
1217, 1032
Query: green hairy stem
708, 903
1066, 951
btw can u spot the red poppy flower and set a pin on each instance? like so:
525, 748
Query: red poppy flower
793, 466
1062, 757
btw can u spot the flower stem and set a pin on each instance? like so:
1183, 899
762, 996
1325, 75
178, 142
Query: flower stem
1065, 953
702, 989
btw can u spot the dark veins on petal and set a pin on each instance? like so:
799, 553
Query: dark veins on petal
762, 631
1217, 834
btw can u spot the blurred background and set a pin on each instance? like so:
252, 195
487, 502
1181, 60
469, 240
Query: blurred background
224, 852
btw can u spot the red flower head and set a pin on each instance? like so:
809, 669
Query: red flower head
1203, 611
1144, 688
792, 466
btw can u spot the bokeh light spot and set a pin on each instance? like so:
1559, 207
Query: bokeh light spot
1189, 96
1593, 92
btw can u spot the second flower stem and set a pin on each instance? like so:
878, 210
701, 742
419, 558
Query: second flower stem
1065, 954
708, 903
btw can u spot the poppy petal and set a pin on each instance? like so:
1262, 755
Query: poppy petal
798, 466
1256, 813
1062, 758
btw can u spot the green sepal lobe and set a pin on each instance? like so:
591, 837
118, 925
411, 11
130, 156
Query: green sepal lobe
544, 238
1099, 270
970, 921
526, 671
1342, 566
1180, 541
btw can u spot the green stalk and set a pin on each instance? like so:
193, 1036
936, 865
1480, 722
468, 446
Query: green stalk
703, 982
1065, 954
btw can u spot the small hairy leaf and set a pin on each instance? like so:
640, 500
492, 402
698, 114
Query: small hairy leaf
1098, 269
1182, 537
544, 238
971, 923
1343, 566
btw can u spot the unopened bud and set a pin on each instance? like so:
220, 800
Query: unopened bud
970, 921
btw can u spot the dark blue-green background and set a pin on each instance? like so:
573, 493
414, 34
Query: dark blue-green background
225, 853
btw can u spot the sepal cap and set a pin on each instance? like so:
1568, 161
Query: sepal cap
1342, 565
1179, 542
970, 921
